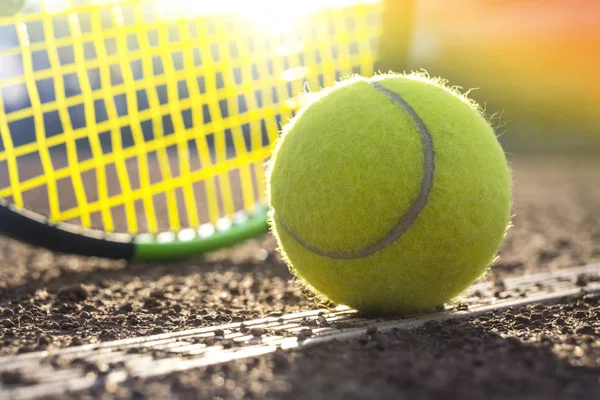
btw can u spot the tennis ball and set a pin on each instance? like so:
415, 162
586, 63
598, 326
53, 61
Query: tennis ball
390, 194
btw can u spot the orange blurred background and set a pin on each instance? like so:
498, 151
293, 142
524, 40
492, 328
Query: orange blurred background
535, 62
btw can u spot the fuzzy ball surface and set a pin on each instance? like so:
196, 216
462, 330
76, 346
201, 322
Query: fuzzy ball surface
389, 194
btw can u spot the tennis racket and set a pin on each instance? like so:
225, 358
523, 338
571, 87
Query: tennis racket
140, 129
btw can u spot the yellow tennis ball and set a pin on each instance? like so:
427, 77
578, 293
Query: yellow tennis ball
390, 194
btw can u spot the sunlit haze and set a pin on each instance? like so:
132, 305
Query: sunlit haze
269, 14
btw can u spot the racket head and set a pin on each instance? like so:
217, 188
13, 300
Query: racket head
131, 131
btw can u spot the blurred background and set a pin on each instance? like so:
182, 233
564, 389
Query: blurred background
534, 64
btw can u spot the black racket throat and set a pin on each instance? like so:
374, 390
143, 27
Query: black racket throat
34, 229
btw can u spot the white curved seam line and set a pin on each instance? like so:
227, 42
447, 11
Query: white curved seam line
417, 206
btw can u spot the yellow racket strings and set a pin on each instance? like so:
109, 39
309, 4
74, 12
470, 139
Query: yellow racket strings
120, 119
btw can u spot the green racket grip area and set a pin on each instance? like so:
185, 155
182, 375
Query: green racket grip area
187, 243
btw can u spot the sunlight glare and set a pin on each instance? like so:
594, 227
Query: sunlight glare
272, 15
